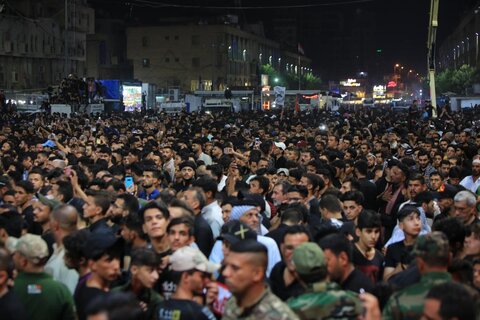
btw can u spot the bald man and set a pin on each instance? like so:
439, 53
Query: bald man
63, 222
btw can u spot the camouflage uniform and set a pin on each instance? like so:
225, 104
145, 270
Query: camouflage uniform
327, 301
267, 307
408, 303
324, 300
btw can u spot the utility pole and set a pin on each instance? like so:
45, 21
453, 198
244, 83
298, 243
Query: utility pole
431, 45
66, 38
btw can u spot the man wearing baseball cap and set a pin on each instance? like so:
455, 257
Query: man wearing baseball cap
433, 256
44, 297
325, 299
192, 272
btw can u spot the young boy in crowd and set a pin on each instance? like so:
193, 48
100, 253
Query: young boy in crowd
398, 255
365, 257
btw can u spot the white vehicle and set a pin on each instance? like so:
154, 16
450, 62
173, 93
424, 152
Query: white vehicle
217, 105
172, 107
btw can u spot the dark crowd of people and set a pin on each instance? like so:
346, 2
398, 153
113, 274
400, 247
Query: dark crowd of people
285, 214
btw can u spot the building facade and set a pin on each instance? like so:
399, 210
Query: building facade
462, 46
107, 51
32, 42
205, 57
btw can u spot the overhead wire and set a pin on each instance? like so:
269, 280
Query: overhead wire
161, 4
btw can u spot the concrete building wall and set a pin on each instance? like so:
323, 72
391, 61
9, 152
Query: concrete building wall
200, 57
32, 45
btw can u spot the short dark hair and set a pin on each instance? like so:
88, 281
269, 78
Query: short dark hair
295, 213
144, 257
456, 301
101, 199
369, 219
454, 229
300, 189
354, 183
74, 244
186, 220
207, 184
330, 202
25, 185
263, 182
296, 229
406, 211
417, 177
361, 166
315, 180
65, 188
133, 222
337, 243
131, 202
154, 205
355, 196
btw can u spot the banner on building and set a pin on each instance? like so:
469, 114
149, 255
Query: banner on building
279, 95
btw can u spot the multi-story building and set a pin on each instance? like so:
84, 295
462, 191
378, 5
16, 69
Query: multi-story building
462, 46
107, 51
32, 42
205, 57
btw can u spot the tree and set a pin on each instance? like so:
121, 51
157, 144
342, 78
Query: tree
458, 81
310, 81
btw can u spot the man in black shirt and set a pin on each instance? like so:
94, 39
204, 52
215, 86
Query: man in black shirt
192, 271
283, 282
339, 253
95, 209
195, 198
103, 253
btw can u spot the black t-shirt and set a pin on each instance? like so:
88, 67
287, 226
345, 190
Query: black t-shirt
203, 235
166, 284
177, 309
12, 308
277, 284
357, 280
84, 296
373, 269
398, 253
50, 240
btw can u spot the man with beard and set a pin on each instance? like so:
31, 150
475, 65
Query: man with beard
424, 164
197, 148
187, 169
283, 282
244, 273
339, 254
23, 201
472, 182
151, 178
169, 163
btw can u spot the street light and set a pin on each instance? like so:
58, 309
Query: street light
276, 79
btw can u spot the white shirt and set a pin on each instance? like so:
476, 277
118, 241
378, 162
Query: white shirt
58, 270
205, 158
216, 256
469, 184
213, 214
222, 183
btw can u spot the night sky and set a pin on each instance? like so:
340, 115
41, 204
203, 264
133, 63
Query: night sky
400, 26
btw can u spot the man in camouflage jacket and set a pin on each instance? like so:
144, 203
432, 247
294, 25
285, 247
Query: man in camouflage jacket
323, 300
